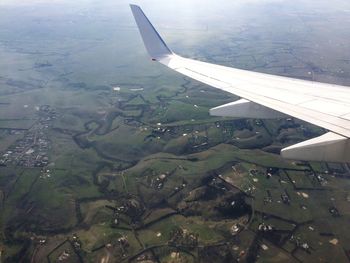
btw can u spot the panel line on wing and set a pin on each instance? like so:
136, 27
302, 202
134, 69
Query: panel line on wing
310, 117
279, 105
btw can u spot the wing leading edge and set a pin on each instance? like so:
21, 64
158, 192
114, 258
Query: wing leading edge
267, 96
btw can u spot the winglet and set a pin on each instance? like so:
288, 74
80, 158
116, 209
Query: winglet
154, 44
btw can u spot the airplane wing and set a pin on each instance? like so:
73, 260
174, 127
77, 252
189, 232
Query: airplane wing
267, 96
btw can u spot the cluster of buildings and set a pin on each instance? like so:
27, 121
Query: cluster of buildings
129, 210
159, 181
299, 243
146, 257
32, 149
265, 228
235, 229
64, 256
183, 237
76, 242
121, 245
68, 250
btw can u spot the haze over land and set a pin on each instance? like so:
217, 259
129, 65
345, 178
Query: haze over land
107, 156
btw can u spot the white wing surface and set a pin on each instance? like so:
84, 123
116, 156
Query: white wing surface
267, 96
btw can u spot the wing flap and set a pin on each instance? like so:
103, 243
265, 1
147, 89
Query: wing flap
329, 147
245, 109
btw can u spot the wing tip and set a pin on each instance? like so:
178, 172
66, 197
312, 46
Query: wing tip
134, 6
153, 42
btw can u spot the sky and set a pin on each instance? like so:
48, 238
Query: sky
214, 31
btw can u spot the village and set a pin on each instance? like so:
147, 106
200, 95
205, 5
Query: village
32, 150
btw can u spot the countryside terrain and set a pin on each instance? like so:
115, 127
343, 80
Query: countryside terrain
106, 156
